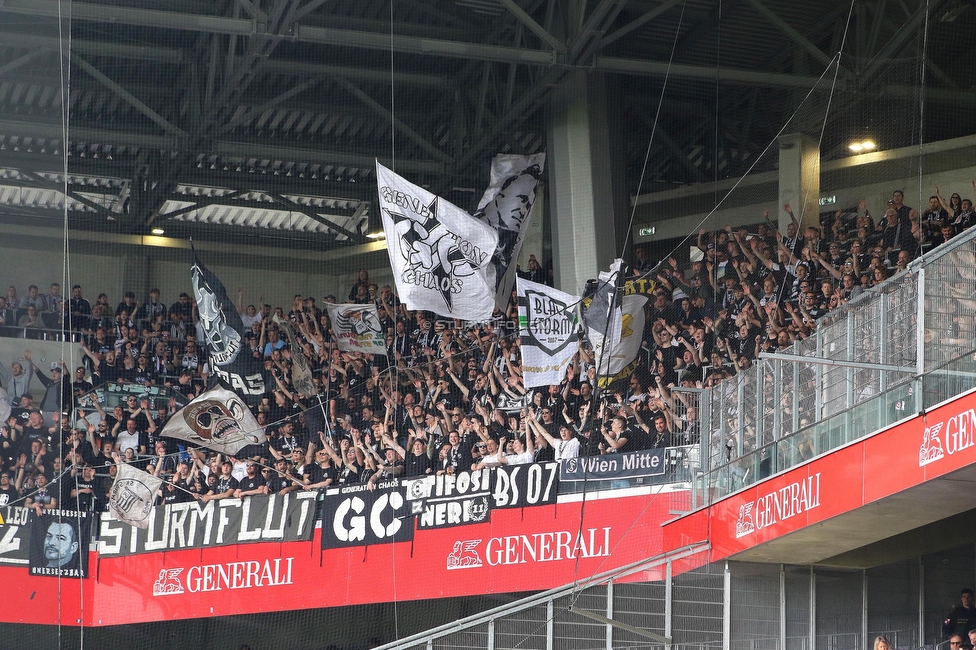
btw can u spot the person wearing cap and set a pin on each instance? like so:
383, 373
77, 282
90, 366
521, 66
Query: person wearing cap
83, 491
57, 388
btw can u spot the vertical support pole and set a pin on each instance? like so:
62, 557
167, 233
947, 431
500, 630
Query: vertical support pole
818, 370
864, 608
850, 357
727, 608
782, 607
777, 399
883, 343
920, 332
610, 614
491, 634
550, 624
812, 640
740, 398
921, 602
668, 611
796, 396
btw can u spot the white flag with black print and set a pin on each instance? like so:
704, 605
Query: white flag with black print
506, 206
133, 495
218, 419
437, 250
357, 328
547, 326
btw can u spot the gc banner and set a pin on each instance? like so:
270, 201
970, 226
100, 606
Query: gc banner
647, 462
258, 518
357, 516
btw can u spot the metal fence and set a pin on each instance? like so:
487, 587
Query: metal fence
905, 344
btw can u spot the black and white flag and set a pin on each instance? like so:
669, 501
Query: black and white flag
547, 325
218, 419
506, 206
437, 250
223, 332
133, 495
614, 325
357, 328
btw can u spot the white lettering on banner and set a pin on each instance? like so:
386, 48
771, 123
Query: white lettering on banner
231, 575
785, 503
353, 528
539, 486
194, 524
958, 432
551, 546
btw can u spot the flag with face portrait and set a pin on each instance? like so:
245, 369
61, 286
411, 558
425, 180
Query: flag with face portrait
218, 419
357, 328
506, 206
133, 495
437, 250
547, 326
223, 333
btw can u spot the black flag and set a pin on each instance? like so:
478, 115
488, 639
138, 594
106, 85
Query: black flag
223, 331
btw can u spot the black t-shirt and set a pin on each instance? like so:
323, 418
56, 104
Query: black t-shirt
84, 500
416, 465
316, 473
225, 483
8, 496
247, 483
277, 483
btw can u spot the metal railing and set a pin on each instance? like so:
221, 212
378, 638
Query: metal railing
904, 345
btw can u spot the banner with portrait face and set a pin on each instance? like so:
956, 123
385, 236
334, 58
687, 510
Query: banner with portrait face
59, 541
506, 206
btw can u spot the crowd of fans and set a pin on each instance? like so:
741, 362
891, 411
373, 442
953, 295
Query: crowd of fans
448, 396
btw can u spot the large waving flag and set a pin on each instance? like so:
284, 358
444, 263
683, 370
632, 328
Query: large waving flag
506, 207
547, 326
438, 251
224, 336
218, 419
133, 495
357, 328
614, 327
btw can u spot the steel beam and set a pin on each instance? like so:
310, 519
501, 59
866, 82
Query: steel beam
794, 35
533, 26
638, 22
129, 97
737, 76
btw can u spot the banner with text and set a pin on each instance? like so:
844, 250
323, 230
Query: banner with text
634, 464
358, 516
257, 518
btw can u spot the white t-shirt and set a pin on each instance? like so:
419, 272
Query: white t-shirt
566, 448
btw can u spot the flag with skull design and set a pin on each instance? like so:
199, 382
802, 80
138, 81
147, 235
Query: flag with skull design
218, 419
223, 332
439, 252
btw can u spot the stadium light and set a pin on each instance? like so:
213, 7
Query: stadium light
158, 231
861, 146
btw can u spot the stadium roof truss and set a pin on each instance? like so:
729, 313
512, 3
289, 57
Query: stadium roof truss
246, 116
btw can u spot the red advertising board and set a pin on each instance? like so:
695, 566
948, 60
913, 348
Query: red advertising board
898, 458
520, 549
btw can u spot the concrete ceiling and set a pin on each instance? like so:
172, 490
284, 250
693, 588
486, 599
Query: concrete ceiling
267, 115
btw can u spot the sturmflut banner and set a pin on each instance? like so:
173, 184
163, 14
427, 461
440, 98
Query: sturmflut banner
438, 251
258, 518
547, 325
357, 328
